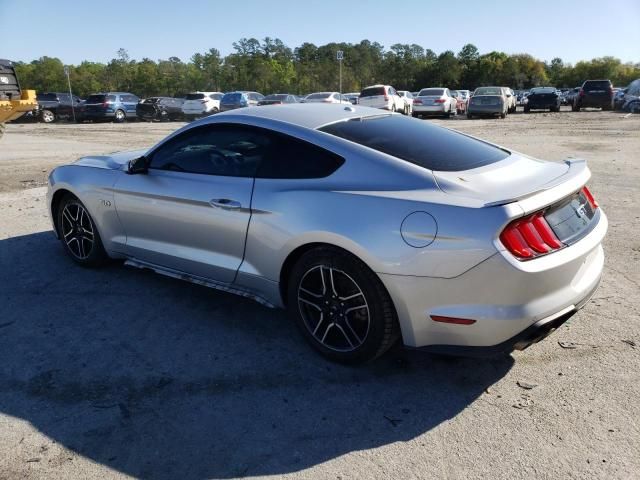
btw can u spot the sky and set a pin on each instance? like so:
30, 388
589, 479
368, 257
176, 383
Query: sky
94, 30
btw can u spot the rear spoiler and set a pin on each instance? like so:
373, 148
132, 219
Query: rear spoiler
574, 179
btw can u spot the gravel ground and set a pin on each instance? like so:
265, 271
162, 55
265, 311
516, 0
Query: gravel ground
116, 372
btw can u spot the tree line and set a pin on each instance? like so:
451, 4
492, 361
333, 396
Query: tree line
270, 66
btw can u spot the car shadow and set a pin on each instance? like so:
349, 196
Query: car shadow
158, 378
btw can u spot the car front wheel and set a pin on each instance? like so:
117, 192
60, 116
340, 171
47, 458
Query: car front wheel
341, 306
78, 233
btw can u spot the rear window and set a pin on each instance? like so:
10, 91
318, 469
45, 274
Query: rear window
543, 90
431, 92
596, 85
232, 98
488, 91
96, 98
417, 142
372, 92
277, 96
317, 96
194, 96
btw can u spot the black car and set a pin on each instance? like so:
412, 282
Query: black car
54, 106
160, 108
278, 99
542, 98
595, 94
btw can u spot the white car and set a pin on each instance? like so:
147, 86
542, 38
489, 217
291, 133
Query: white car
434, 101
326, 97
382, 96
200, 104
408, 101
512, 100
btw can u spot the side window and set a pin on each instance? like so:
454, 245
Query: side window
111, 98
224, 150
291, 158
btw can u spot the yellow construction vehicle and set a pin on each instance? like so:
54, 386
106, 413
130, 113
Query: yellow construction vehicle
13, 102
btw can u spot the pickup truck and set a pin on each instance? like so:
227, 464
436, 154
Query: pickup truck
54, 106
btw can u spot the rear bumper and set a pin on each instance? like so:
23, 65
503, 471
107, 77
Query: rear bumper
541, 105
485, 109
429, 109
513, 303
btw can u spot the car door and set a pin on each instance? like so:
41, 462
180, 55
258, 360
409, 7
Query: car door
191, 210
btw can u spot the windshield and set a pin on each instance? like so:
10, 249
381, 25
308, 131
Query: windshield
417, 142
276, 96
47, 97
488, 91
431, 92
194, 96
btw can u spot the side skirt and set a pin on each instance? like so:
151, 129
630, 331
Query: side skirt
225, 287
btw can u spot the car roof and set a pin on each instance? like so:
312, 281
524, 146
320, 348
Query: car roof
308, 115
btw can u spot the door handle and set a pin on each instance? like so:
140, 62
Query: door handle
224, 203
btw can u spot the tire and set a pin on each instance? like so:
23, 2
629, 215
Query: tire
469, 116
119, 116
48, 116
78, 233
527, 109
503, 115
356, 330
575, 108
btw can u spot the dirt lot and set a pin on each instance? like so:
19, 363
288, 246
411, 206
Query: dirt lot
116, 372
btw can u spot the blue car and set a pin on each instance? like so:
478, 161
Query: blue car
119, 106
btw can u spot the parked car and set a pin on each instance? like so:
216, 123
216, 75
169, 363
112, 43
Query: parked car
618, 98
571, 95
55, 106
461, 103
408, 100
118, 106
631, 96
488, 101
462, 246
326, 97
434, 101
541, 98
382, 96
199, 104
240, 99
512, 101
522, 96
352, 97
278, 99
160, 108
594, 94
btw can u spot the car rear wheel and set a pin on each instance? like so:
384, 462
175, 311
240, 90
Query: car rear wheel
120, 116
78, 233
469, 116
47, 116
575, 108
341, 306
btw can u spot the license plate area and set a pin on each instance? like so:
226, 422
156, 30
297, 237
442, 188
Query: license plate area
573, 218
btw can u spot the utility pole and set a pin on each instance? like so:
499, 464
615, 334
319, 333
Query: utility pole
340, 57
73, 110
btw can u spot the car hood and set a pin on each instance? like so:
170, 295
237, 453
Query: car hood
509, 180
114, 161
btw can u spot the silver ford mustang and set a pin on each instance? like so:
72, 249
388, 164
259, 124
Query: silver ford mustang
366, 226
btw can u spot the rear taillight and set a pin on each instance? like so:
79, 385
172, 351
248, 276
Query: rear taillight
417, 101
203, 101
530, 237
592, 201
581, 94
439, 100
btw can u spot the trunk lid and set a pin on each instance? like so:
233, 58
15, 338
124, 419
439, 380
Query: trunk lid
516, 178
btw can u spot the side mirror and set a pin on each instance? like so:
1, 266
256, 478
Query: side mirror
137, 165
